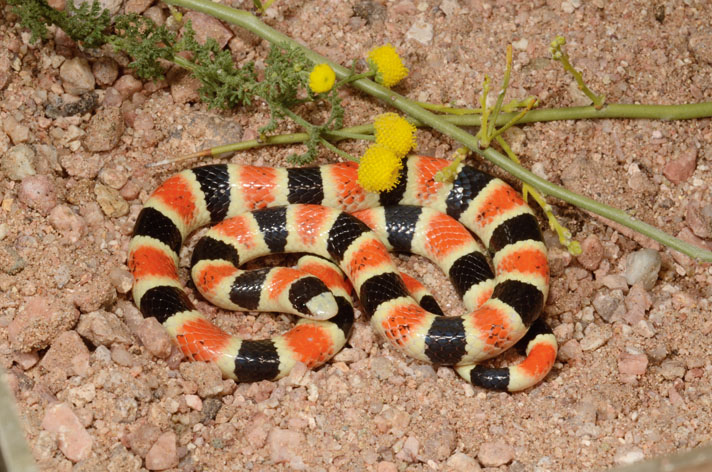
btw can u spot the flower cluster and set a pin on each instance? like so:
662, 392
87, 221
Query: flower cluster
388, 65
380, 166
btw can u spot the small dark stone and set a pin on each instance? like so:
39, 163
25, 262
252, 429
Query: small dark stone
86, 103
370, 11
211, 406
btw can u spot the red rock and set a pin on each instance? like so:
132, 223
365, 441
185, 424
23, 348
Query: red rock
682, 168
591, 254
206, 26
163, 454
72, 438
632, 364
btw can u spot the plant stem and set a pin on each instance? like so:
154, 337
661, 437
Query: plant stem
248, 21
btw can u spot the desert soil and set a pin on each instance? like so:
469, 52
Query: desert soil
98, 388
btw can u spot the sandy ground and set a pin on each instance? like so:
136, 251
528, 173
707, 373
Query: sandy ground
633, 381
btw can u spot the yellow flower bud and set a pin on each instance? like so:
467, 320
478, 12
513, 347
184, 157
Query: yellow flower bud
388, 64
394, 132
321, 78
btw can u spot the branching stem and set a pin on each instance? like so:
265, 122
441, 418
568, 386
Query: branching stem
248, 21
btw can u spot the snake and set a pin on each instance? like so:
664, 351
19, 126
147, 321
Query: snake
350, 233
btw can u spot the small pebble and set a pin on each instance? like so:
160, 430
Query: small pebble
699, 219
127, 85
143, 437
595, 337
592, 253
40, 320
285, 447
66, 353
628, 455
103, 328
17, 132
570, 351
700, 44
37, 192
70, 225
72, 438
121, 279
637, 303
643, 266
206, 375
420, 31
681, 168
607, 303
194, 402
382, 368
672, 369
110, 201
614, 282
105, 71
19, 162
206, 26
76, 76
632, 364
495, 453
386, 466
461, 462
409, 451
164, 453
155, 337
11, 262
105, 130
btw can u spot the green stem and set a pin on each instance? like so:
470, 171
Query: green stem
248, 21
338, 151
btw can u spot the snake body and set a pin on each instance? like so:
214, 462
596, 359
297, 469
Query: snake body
323, 210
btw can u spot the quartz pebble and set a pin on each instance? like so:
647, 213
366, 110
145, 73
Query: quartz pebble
19, 162
72, 438
643, 266
76, 76
409, 451
461, 462
495, 453
67, 354
105, 70
37, 192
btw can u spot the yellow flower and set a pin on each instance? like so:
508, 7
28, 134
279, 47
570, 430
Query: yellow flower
379, 169
394, 132
388, 64
321, 78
